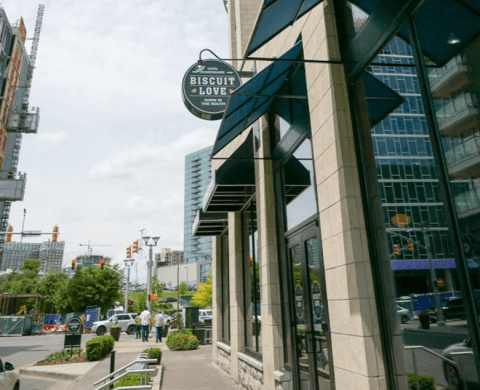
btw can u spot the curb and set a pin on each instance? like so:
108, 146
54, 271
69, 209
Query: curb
44, 374
157, 380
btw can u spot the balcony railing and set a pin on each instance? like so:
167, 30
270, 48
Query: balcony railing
463, 151
454, 106
468, 201
450, 77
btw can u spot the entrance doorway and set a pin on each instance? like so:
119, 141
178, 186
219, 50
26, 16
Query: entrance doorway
307, 315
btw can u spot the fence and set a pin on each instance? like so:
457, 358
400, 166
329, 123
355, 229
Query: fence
15, 325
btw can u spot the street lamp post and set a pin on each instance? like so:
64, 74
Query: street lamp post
146, 240
127, 265
438, 304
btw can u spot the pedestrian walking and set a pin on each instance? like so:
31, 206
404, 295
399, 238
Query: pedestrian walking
159, 322
82, 321
138, 326
145, 317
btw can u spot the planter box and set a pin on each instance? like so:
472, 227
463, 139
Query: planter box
115, 332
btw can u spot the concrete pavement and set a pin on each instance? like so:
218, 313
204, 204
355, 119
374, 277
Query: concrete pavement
179, 370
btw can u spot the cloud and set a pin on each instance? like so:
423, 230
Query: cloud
49, 141
149, 159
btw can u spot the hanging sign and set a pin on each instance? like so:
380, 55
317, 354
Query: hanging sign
207, 87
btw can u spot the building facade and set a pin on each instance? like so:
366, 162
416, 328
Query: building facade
197, 177
191, 273
168, 257
334, 193
49, 253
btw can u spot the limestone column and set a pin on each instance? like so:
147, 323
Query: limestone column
269, 278
238, 261
356, 345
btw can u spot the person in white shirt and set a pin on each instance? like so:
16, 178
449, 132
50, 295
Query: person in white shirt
159, 322
145, 317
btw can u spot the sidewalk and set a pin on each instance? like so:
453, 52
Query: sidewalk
183, 370
188, 370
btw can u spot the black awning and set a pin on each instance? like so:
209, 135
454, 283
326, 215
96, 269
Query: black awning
233, 183
381, 100
297, 178
209, 224
254, 98
276, 16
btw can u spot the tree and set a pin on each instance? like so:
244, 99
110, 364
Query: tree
183, 289
203, 297
93, 287
50, 286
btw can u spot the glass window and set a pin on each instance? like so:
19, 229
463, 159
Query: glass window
423, 254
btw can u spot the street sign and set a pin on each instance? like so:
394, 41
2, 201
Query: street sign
73, 336
207, 86
74, 325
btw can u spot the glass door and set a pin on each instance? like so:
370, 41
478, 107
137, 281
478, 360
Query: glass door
311, 356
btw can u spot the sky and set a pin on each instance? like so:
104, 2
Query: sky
109, 156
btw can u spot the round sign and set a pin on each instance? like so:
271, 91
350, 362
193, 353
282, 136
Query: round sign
401, 220
206, 88
74, 325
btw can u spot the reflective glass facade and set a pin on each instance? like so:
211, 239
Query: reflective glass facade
197, 178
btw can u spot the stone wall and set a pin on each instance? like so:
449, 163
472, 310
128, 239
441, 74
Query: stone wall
223, 360
250, 372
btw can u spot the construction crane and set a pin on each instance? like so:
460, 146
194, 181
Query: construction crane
21, 122
89, 247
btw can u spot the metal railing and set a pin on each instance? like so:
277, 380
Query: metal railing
145, 371
415, 347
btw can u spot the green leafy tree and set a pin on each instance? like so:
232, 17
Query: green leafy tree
183, 289
203, 297
50, 287
93, 286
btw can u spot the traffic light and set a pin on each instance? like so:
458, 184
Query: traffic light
102, 263
73, 264
396, 249
410, 246
55, 234
135, 246
129, 252
9, 236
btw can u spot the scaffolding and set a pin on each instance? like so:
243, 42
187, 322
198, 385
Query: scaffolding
21, 121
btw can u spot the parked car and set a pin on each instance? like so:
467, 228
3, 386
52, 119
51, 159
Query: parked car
167, 319
204, 315
403, 315
170, 299
464, 370
453, 308
9, 379
125, 320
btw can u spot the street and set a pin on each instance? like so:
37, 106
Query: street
25, 350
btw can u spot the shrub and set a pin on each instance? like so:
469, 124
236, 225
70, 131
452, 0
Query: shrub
182, 340
130, 380
99, 347
155, 353
425, 382
62, 356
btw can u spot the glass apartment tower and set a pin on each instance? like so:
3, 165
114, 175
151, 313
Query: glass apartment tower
197, 178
